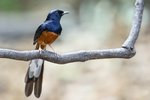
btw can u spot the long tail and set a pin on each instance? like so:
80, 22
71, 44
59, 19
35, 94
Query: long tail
34, 77
38, 83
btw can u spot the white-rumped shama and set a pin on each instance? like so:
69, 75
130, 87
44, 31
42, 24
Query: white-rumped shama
45, 34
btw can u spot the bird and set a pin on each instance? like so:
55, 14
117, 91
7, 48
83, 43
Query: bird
45, 35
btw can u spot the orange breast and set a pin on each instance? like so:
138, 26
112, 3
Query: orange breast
46, 38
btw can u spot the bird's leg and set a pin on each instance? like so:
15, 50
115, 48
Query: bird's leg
51, 48
40, 50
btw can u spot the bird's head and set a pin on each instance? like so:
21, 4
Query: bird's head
56, 14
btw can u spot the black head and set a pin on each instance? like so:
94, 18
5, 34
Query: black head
56, 14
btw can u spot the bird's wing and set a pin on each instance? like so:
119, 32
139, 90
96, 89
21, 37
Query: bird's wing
46, 26
38, 32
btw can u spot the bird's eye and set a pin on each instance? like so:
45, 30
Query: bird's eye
60, 12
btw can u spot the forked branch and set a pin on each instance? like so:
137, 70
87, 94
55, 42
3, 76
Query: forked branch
127, 50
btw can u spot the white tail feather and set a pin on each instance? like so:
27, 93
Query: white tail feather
35, 68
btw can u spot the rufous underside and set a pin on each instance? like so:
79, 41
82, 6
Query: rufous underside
46, 38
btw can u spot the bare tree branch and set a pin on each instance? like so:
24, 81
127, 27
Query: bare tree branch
127, 50
68, 57
136, 25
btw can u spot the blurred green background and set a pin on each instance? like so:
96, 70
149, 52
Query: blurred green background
91, 24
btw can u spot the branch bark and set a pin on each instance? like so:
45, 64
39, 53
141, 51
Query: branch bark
127, 50
136, 25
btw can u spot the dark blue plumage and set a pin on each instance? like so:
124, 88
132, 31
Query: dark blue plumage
51, 24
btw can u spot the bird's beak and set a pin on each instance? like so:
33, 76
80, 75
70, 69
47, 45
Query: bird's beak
66, 12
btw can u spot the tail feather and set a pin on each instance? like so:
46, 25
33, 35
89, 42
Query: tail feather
34, 76
28, 88
29, 84
37, 80
38, 83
